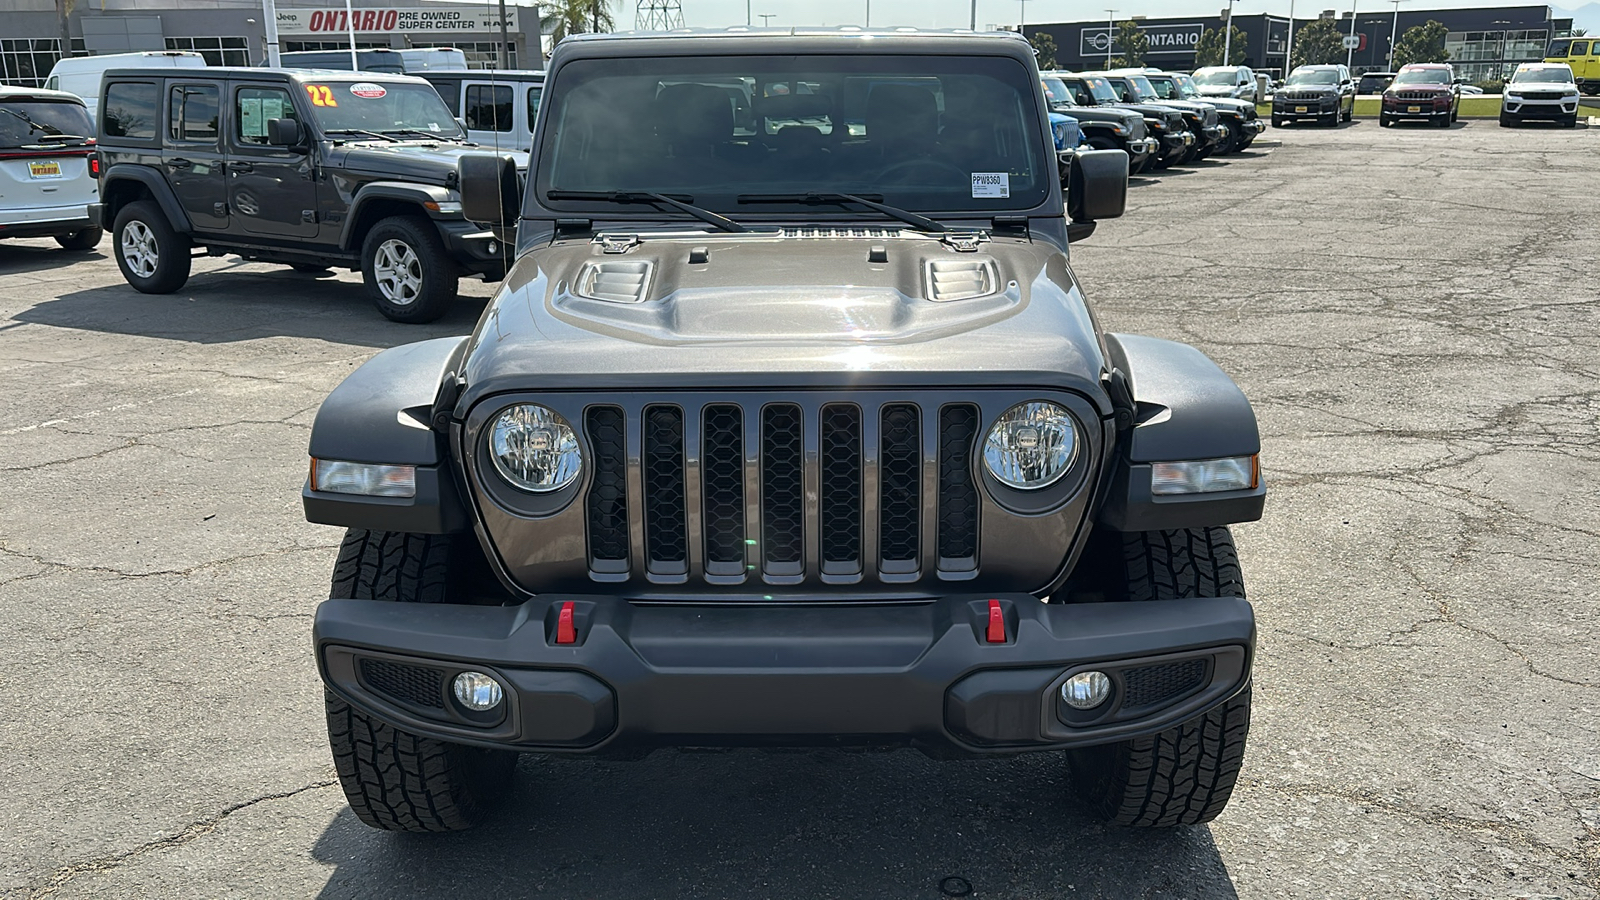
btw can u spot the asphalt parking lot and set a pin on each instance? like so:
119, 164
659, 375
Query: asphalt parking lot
1411, 310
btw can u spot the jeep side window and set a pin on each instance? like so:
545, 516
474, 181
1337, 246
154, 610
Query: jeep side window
534, 93
255, 107
192, 113
488, 107
1580, 48
131, 110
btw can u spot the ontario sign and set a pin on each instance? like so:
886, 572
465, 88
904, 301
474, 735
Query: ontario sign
424, 20
1170, 40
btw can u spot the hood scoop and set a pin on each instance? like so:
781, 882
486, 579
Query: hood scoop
615, 281
960, 279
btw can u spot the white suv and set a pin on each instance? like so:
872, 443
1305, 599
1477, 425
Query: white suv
48, 168
1540, 91
1236, 82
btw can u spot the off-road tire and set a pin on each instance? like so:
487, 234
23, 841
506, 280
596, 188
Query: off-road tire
437, 273
81, 240
171, 269
1277, 122
1505, 121
1184, 775
393, 779
1384, 121
1444, 121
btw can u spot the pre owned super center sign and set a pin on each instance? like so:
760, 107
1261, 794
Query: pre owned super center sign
420, 20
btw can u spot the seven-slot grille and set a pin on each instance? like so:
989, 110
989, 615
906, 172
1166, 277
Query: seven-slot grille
780, 492
1419, 96
1304, 96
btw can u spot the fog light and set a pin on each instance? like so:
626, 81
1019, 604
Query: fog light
1085, 690
478, 692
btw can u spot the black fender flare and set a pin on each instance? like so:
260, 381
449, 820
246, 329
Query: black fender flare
158, 187
1185, 408
1102, 129
382, 413
408, 192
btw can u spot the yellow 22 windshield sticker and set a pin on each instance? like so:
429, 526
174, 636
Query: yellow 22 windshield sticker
321, 95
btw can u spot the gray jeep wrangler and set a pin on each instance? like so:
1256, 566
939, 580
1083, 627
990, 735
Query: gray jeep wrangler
790, 426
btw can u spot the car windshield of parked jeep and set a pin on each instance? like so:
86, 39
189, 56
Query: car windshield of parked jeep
1217, 78
1315, 76
1553, 75
399, 110
1422, 76
1056, 92
1142, 86
756, 135
43, 123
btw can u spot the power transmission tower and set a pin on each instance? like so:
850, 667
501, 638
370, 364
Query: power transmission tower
658, 15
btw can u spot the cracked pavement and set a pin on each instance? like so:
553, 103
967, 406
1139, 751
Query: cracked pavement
1408, 309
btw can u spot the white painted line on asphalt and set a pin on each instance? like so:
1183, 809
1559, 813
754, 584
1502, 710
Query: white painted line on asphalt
93, 413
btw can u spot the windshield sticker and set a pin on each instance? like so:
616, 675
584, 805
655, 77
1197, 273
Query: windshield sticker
321, 95
991, 184
368, 91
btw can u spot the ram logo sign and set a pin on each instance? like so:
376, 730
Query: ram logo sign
1095, 40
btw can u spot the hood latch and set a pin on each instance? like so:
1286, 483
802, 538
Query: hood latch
617, 243
964, 241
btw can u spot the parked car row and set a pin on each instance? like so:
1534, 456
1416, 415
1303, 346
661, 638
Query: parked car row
1426, 92
1157, 118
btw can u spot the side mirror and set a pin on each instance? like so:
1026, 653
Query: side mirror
283, 132
1097, 188
491, 192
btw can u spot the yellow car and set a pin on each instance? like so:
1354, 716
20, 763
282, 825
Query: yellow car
1583, 55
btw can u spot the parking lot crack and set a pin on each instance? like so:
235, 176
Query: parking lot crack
190, 832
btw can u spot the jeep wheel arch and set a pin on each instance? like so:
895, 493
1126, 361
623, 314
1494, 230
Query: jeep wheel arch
381, 199
126, 183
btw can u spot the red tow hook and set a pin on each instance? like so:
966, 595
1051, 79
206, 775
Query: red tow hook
997, 623
566, 632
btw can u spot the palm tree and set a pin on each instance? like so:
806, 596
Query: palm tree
563, 17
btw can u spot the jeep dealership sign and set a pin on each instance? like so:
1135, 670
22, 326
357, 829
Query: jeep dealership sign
1164, 39
418, 20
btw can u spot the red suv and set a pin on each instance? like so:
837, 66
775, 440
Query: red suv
1428, 91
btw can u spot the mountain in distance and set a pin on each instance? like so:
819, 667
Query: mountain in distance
1585, 16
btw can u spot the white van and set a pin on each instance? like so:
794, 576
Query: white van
81, 74
48, 168
497, 106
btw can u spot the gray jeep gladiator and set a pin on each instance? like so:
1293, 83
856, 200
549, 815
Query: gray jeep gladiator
791, 428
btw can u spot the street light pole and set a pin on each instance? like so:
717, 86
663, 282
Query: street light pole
1350, 54
1394, 32
1288, 50
1022, 16
1227, 35
974, 25
1111, 34
765, 17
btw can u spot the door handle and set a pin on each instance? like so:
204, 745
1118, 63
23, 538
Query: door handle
242, 168
179, 163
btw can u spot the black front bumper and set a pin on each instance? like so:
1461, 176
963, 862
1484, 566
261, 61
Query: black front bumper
922, 674
476, 249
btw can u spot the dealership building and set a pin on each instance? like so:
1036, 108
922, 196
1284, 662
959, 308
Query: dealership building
1483, 43
231, 33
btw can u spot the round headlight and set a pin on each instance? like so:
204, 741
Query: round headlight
1031, 445
534, 448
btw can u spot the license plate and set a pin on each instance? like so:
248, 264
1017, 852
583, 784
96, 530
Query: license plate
1414, 109
1299, 109
51, 169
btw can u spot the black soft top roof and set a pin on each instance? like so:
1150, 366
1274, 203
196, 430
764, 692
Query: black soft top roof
784, 41
252, 73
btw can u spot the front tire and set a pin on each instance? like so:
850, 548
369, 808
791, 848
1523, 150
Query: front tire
152, 256
1184, 775
409, 274
81, 240
1277, 121
395, 780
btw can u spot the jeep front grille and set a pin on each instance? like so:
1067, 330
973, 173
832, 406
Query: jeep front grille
780, 492
1210, 117
1416, 96
1303, 96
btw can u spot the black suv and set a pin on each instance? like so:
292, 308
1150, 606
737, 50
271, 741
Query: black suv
791, 426
1325, 94
312, 169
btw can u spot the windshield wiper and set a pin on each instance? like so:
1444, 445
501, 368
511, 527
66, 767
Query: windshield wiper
906, 216
431, 135
364, 133
704, 215
48, 130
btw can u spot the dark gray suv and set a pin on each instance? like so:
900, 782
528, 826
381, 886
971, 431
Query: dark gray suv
1325, 94
790, 426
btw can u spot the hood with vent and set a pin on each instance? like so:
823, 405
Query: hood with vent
835, 304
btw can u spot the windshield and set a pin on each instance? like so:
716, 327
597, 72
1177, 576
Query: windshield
1553, 75
1216, 77
1186, 87
1313, 76
1422, 76
751, 135
1056, 92
1143, 87
51, 123
380, 108
1099, 91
